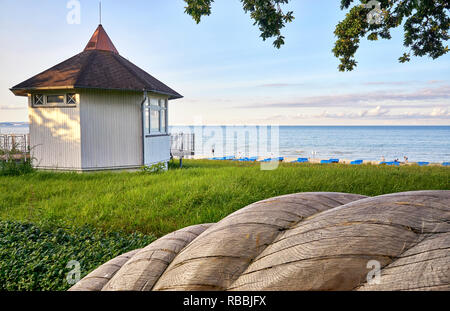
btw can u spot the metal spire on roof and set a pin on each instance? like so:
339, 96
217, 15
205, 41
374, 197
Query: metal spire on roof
100, 11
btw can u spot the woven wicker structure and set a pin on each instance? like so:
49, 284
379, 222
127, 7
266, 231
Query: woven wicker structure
304, 241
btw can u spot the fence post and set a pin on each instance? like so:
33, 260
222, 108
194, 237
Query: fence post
182, 141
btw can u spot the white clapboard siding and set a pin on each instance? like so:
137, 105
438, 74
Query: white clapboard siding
157, 149
111, 129
55, 137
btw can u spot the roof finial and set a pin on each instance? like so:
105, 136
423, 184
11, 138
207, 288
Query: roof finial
100, 11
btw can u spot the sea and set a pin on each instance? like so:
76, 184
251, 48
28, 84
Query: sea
418, 143
373, 143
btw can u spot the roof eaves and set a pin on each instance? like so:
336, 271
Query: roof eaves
171, 96
23, 91
43, 88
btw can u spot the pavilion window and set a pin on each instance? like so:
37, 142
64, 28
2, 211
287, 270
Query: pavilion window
147, 121
71, 99
55, 100
38, 100
156, 114
163, 115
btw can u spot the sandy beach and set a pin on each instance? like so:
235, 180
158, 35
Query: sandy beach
341, 161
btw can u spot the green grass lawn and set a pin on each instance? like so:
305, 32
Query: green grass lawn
48, 219
202, 192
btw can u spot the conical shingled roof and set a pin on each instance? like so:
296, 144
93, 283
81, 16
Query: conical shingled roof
99, 66
101, 41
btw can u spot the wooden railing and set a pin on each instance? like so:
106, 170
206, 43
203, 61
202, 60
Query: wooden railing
182, 144
16, 143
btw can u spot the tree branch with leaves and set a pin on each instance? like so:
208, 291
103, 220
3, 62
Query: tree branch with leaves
267, 15
425, 24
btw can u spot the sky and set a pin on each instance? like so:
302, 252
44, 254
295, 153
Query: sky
227, 74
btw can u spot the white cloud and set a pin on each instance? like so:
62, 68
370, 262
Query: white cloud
376, 112
279, 85
367, 99
439, 112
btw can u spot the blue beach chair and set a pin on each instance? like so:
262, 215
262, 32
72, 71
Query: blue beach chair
393, 163
325, 162
356, 162
266, 160
301, 160
272, 159
334, 160
446, 164
423, 163
252, 159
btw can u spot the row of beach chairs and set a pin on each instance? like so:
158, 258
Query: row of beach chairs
247, 159
223, 158
280, 159
306, 160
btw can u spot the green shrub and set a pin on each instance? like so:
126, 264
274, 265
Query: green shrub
14, 167
35, 257
155, 168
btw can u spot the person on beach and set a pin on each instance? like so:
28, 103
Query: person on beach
406, 159
383, 159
